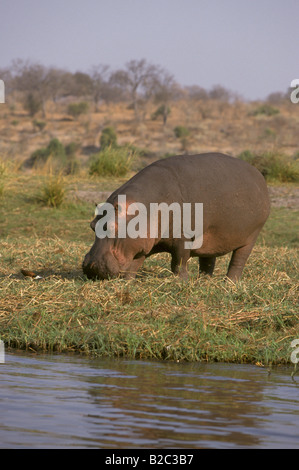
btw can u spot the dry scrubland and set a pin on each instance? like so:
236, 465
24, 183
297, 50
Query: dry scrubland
156, 315
213, 126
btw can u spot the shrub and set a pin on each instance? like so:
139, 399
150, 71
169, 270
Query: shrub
265, 109
39, 124
38, 156
32, 104
112, 162
269, 133
53, 192
181, 132
108, 138
75, 109
163, 111
273, 166
71, 149
55, 150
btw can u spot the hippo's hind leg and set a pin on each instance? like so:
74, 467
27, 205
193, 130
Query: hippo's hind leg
240, 256
237, 262
206, 265
179, 258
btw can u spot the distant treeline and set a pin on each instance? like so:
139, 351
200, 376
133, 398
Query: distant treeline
138, 82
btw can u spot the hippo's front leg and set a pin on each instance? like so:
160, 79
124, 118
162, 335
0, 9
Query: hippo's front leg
131, 272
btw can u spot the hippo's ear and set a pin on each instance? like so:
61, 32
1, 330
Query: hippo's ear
93, 224
98, 210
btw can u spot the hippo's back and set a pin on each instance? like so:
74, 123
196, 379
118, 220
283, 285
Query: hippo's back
210, 178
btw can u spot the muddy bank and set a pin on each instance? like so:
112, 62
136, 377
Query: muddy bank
284, 196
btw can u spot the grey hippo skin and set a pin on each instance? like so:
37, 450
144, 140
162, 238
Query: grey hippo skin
235, 207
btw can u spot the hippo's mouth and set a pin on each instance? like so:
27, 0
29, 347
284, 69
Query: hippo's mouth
106, 268
91, 271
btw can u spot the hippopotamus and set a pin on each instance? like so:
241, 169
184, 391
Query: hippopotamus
235, 206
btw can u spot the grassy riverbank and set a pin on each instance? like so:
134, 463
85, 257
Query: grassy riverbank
154, 316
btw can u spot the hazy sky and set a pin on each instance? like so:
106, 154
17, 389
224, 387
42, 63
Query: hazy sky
248, 46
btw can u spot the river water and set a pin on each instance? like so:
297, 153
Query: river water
61, 401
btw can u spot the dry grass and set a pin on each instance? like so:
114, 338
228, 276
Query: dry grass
155, 315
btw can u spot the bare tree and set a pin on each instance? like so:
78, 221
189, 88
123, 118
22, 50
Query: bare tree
81, 84
100, 80
164, 89
277, 97
58, 83
220, 93
135, 79
31, 79
197, 93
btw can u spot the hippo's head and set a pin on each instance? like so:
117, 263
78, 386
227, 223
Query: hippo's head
111, 255
103, 261
99, 262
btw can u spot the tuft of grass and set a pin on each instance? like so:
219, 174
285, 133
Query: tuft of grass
3, 168
3, 173
52, 192
112, 161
